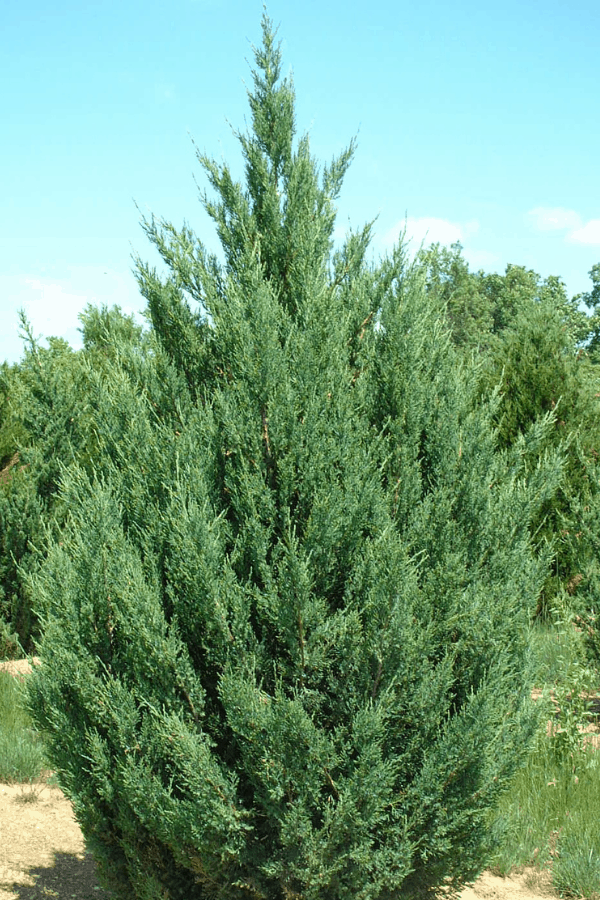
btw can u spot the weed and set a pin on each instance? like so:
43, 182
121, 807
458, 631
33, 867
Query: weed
21, 749
576, 870
572, 691
549, 816
30, 792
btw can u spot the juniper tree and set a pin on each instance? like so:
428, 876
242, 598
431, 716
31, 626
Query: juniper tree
285, 627
37, 435
44, 427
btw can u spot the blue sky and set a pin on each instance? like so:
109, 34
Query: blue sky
476, 122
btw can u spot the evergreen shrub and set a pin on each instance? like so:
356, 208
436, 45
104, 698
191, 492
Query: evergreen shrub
40, 428
285, 649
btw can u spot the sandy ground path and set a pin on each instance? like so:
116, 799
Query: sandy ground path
42, 852
529, 885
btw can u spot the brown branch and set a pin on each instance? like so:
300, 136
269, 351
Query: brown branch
364, 325
191, 705
377, 680
301, 637
336, 793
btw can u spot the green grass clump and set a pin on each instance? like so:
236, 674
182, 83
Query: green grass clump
576, 870
549, 817
555, 651
21, 750
552, 798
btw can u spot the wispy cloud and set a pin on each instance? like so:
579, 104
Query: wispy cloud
50, 309
426, 230
554, 218
53, 305
557, 218
481, 259
587, 234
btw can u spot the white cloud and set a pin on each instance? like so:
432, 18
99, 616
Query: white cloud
53, 305
471, 227
557, 218
481, 259
426, 230
53, 302
429, 230
50, 309
587, 234
554, 218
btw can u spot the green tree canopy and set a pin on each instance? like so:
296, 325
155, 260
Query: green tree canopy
469, 309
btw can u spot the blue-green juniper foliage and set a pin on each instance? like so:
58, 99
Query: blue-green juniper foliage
285, 624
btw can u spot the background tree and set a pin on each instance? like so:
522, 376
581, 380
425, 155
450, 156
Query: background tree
542, 369
469, 309
286, 621
591, 299
47, 423
536, 345
12, 431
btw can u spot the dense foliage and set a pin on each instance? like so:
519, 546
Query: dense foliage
540, 349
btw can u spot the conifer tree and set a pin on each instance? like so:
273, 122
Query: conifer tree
285, 627
38, 436
541, 368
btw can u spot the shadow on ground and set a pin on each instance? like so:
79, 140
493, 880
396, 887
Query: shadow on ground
69, 878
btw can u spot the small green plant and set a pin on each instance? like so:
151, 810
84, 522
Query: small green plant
549, 816
10, 646
574, 688
21, 751
30, 792
576, 869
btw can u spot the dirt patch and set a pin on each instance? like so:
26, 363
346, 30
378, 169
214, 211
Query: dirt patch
531, 884
42, 851
19, 666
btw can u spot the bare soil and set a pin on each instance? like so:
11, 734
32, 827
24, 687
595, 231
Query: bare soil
42, 851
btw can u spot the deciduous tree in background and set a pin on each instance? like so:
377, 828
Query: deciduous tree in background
538, 348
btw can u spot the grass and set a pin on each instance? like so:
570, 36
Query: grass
21, 750
553, 804
549, 817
